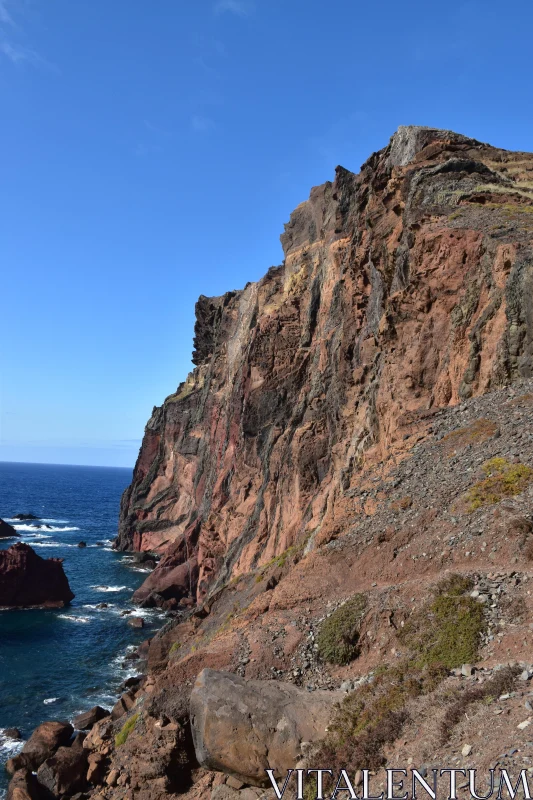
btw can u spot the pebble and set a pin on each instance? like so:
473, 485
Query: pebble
467, 749
523, 724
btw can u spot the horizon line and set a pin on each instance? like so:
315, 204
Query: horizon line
63, 464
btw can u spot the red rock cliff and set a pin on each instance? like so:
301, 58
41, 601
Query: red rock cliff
405, 287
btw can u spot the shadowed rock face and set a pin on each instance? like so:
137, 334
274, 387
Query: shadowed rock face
404, 288
7, 531
28, 580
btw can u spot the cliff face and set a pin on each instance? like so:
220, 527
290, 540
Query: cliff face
404, 288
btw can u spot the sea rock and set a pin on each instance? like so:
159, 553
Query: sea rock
66, 771
12, 733
27, 580
82, 544
268, 720
89, 718
136, 622
42, 744
24, 517
7, 531
25, 786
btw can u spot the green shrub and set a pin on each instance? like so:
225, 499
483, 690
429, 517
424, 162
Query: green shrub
338, 636
447, 631
127, 728
504, 479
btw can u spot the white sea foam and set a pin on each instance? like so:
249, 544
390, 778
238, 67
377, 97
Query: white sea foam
8, 748
50, 700
52, 544
110, 588
38, 519
23, 527
74, 618
94, 607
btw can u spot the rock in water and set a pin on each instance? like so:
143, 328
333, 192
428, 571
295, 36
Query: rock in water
7, 531
268, 721
24, 517
27, 580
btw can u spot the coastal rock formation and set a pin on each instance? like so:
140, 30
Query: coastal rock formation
65, 773
404, 288
89, 718
7, 531
268, 721
41, 745
25, 786
341, 497
27, 580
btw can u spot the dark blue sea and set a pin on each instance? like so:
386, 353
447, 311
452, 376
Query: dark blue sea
54, 664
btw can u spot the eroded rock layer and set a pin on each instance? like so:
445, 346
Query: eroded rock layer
404, 288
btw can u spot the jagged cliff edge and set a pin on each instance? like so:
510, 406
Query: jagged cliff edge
404, 288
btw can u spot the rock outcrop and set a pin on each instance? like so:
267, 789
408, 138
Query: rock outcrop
41, 745
7, 531
404, 289
269, 721
29, 581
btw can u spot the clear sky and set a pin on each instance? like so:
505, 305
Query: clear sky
153, 149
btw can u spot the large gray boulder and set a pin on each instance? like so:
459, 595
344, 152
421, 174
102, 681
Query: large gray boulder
244, 727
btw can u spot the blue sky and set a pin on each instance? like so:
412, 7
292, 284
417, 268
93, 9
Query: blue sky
153, 149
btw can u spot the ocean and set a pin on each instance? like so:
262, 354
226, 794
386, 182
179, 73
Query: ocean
55, 664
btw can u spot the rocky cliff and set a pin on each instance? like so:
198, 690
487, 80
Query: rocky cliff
404, 288
342, 494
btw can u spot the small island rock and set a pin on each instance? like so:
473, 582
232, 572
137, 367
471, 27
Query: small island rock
7, 531
29, 581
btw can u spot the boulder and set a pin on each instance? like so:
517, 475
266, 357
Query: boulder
7, 531
136, 622
89, 718
82, 544
27, 580
268, 720
97, 768
173, 578
42, 744
25, 786
124, 704
12, 733
23, 517
66, 771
